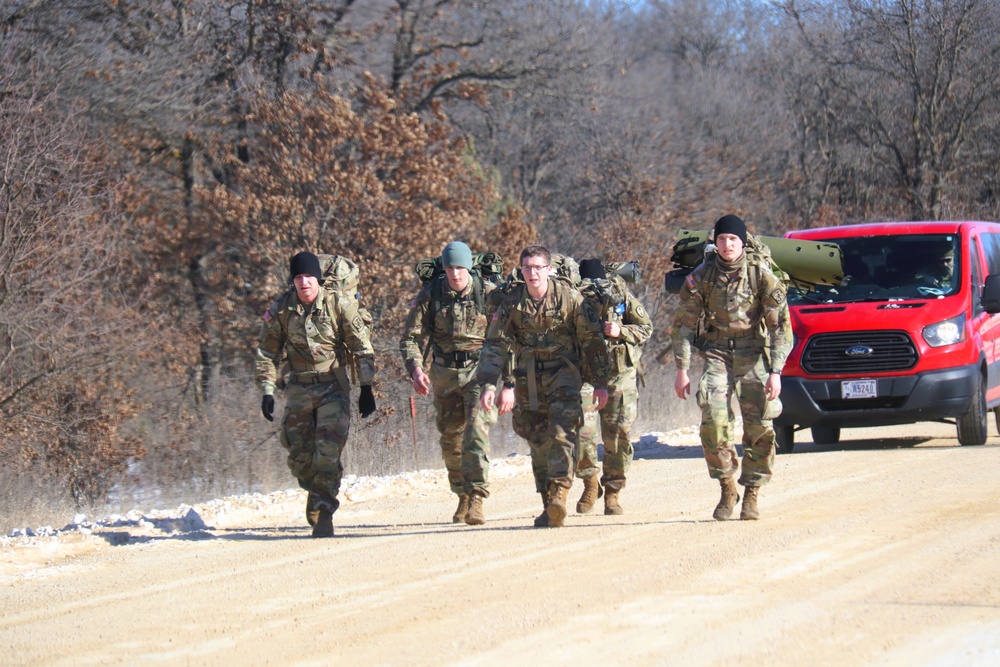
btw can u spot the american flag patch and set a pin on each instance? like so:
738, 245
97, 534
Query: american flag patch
267, 315
691, 282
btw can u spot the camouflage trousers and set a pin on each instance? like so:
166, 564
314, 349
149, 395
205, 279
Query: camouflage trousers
742, 372
611, 426
553, 430
314, 431
464, 427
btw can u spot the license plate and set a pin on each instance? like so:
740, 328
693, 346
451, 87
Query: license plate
859, 389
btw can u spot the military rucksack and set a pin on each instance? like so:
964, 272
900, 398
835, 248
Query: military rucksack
607, 296
487, 266
566, 267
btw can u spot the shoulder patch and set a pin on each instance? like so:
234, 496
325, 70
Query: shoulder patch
690, 281
778, 296
267, 315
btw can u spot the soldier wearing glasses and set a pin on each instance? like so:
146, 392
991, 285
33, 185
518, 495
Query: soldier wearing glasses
549, 328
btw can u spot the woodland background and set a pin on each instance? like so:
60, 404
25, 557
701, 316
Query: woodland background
160, 160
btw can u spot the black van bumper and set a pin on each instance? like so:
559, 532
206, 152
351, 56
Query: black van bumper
901, 400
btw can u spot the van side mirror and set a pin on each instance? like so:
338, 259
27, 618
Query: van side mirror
991, 294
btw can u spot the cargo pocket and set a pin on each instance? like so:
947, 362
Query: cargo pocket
702, 396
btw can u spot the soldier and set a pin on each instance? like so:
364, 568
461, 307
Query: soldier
450, 311
314, 328
546, 324
737, 316
626, 327
938, 273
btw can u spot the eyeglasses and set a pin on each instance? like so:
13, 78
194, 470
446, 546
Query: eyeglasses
531, 268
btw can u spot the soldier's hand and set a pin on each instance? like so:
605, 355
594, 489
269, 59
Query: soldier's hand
612, 330
773, 386
421, 383
600, 398
366, 401
486, 400
506, 402
682, 385
267, 407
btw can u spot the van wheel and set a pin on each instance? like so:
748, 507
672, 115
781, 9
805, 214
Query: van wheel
972, 426
826, 435
784, 437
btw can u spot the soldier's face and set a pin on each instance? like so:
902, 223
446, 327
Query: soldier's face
535, 271
458, 277
307, 287
729, 246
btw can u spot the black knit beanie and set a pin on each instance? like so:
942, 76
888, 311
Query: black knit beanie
593, 269
305, 263
731, 224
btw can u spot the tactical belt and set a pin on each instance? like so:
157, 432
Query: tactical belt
458, 359
737, 344
312, 377
537, 366
338, 374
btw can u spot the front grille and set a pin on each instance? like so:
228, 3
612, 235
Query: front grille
890, 351
839, 404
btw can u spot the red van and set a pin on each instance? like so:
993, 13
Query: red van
910, 336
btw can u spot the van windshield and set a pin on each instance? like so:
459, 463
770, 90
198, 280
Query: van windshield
884, 268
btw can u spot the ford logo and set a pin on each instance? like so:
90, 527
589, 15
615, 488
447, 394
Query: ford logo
859, 351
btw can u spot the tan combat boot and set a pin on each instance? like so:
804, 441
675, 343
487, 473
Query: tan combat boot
730, 496
749, 511
313, 503
324, 524
611, 506
324, 517
462, 510
312, 514
557, 505
591, 492
474, 517
542, 520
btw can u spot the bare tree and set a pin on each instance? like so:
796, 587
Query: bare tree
68, 334
910, 83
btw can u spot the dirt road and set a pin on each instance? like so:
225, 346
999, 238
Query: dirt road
886, 552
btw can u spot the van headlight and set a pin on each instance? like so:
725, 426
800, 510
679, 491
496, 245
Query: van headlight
948, 332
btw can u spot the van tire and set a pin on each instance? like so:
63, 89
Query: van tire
825, 435
972, 426
784, 437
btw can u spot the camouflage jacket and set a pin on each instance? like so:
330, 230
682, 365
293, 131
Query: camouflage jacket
560, 327
452, 322
320, 339
728, 312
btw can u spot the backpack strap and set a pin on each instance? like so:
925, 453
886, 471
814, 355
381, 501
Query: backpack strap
478, 292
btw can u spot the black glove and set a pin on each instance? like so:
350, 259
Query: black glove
366, 401
267, 407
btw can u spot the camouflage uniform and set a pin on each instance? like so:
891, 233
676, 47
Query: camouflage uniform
735, 320
456, 330
316, 341
549, 340
623, 393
